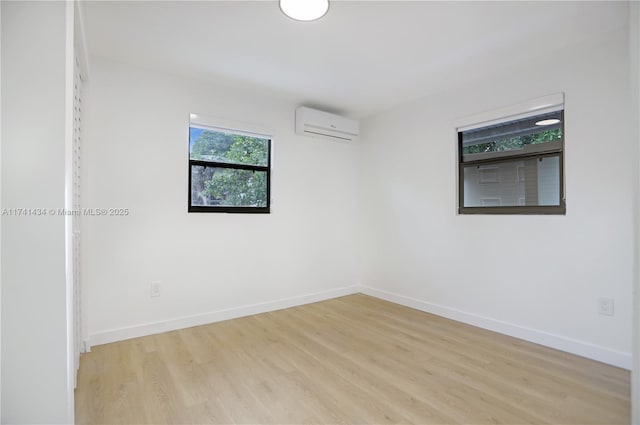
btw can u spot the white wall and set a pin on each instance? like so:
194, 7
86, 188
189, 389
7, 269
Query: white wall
417, 250
634, 56
34, 338
0, 219
135, 157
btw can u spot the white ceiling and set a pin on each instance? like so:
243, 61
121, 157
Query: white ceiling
362, 57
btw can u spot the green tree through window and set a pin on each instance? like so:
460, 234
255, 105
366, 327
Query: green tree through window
514, 143
228, 172
513, 164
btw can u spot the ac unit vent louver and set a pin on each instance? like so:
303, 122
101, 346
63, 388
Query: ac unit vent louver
315, 123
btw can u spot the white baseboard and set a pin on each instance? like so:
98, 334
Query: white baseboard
129, 332
580, 348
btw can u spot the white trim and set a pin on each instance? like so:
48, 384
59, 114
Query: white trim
228, 130
238, 127
558, 342
634, 56
120, 334
69, 66
0, 220
541, 105
80, 41
81, 54
573, 346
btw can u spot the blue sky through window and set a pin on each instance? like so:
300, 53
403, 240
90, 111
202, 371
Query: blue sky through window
194, 133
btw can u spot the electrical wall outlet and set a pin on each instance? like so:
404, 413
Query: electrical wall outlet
155, 289
605, 306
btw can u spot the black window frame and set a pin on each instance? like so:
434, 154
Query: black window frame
234, 166
513, 209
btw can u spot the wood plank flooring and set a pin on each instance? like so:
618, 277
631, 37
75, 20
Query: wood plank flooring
350, 360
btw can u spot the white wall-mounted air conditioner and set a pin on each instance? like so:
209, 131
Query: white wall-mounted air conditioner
314, 123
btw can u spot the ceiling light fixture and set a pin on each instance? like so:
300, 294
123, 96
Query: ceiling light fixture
548, 122
304, 10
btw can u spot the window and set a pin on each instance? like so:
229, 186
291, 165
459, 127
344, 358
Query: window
513, 166
229, 170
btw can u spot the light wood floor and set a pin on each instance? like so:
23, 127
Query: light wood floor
352, 360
